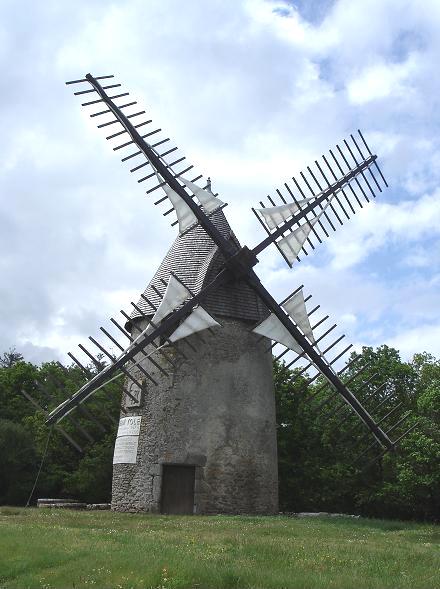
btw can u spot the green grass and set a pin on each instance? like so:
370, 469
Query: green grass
68, 549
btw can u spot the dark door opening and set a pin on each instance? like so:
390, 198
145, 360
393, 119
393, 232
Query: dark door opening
178, 489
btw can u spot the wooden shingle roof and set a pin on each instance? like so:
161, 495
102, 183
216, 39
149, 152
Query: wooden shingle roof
195, 260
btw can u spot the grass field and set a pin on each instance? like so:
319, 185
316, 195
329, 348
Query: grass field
67, 549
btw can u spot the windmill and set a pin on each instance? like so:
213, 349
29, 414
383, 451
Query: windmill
197, 433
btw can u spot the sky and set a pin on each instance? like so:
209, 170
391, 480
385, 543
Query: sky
252, 91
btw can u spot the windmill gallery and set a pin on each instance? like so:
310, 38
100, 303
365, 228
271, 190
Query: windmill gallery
197, 432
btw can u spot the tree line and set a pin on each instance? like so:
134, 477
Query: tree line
326, 457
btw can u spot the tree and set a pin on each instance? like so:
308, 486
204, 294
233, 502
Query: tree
10, 358
66, 472
319, 438
92, 480
18, 463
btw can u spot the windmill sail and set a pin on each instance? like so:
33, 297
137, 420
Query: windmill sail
274, 216
208, 201
346, 182
176, 293
197, 321
185, 216
325, 203
273, 329
295, 307
292, 244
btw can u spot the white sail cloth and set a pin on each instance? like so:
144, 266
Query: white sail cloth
295, 307
198, 320
185, 216
291, 244
176, 294
208, 201
274, 216
273, 329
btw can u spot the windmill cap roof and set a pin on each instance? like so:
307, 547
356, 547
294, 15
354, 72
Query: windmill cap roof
195, 260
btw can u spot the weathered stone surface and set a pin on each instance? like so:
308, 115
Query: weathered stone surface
324, 514
215, 411
49, 501
63, 505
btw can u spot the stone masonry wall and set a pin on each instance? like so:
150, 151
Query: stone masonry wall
215, 410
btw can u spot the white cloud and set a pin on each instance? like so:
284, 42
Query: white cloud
374, 227
418, 339
251, 96
384, 80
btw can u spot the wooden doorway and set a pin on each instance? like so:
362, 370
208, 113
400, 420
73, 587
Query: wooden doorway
178, 489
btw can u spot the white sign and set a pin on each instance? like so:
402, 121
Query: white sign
126, 449
129, 426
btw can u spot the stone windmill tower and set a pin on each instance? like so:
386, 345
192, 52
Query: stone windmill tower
207, 440
198, 430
